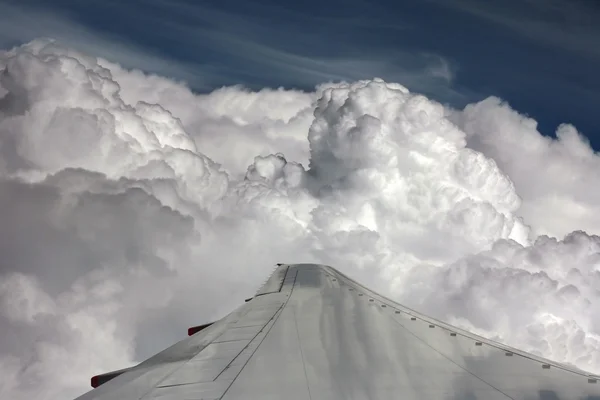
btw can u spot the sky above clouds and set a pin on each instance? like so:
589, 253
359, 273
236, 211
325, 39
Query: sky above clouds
540, 56
143, 190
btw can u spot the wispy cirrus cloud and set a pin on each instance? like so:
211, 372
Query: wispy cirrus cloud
228, 47
21, 24
571, 25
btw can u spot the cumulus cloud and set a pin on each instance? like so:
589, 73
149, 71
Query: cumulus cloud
553, 177
133, 208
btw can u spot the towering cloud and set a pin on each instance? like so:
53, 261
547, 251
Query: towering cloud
132, 208
553, 176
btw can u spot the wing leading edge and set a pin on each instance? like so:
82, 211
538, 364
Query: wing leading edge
312, 333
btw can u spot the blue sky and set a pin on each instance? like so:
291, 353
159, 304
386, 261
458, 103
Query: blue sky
542, 56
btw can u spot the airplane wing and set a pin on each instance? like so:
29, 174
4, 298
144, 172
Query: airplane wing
312, 333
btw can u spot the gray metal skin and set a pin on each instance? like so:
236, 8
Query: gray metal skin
311, 333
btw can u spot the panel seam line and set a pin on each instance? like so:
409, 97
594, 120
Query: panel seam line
300, 347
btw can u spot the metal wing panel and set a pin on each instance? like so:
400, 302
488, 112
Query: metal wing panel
312, 333
335, 339
195, 363
274, 283
412, 313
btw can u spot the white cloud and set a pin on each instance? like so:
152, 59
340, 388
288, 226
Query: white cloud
554, 178
127, 200
540, 297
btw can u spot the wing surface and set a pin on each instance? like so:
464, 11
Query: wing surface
312, 333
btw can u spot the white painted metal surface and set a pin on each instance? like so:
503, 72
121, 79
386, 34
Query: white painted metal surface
314, 334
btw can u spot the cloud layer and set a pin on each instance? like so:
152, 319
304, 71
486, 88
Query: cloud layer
133, 208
